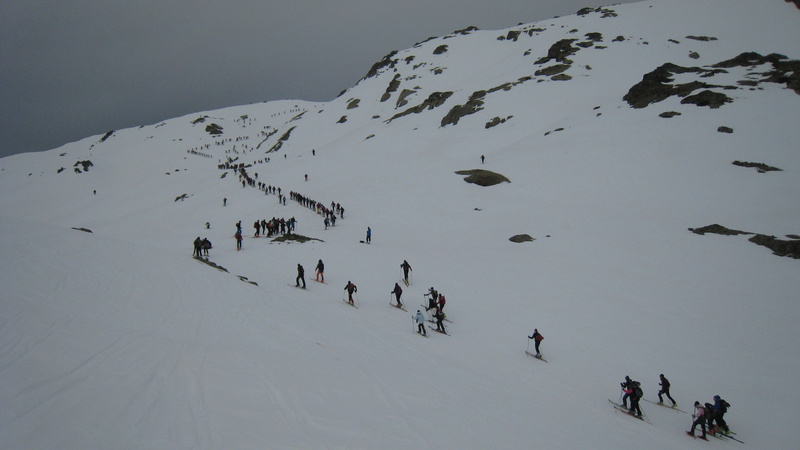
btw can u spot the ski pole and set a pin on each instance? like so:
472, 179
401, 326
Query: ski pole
527, 349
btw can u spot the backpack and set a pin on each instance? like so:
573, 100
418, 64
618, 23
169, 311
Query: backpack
637, 389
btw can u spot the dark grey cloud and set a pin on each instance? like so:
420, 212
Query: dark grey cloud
84, 67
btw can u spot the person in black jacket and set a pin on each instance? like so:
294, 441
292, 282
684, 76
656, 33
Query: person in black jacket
664, 383
300, 276
537, 338
320, 272
626, 385
406, 267
198, 245
350, 288
397, 291
439, 316
635, 393
434, 296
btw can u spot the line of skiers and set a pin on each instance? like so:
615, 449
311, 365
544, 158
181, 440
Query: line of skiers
320, 276
436, 301
318, 207
271, 228
711, 416
330, 221
274, 226
705, 415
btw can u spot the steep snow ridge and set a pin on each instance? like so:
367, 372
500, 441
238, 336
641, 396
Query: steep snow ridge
118, 339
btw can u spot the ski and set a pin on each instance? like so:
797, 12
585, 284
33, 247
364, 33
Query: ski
674, 408
320, 282
423, 335
615, 403
441, 332
619, 408
297, 287
398, 307
406, 283
722, 436
431, 321
533, 355
351, 304
689, 433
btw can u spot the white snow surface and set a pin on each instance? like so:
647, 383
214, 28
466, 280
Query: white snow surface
119, 339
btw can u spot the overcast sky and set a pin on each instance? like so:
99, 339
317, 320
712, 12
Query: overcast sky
72, 69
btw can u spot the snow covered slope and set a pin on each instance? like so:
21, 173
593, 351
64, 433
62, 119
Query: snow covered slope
119, 339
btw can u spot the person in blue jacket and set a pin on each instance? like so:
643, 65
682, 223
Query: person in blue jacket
369, 235
720, 408
420, 319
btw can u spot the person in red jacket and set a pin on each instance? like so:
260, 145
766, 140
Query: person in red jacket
238, 237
